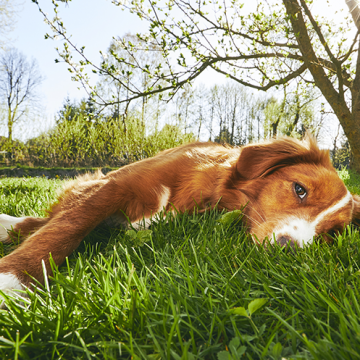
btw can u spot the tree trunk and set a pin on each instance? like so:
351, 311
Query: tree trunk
211, 122
10, 133
233, 124
200, 121
353, 136
296, 120
349, 121
274, 127
10, 124
355, 11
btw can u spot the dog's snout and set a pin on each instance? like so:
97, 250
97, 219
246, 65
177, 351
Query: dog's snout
284, 240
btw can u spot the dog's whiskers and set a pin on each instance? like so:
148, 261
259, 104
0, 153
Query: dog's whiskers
254, 202
252, 219
261, 217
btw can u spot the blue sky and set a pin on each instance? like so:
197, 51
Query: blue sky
92, 23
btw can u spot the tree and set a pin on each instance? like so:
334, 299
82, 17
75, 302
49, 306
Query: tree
72, 109
293, 114
18, 82
340, 155
263, 48
184, 102
120, 73
236, 113
224, 136
227, 104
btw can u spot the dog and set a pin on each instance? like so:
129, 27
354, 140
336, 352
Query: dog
290, 190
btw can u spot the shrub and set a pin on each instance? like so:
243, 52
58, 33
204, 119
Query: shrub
101, 142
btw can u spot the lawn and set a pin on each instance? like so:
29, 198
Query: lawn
191, 287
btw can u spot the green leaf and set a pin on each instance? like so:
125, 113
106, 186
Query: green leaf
256, 305
248, 338
224, 355
236, 350
234, 343
262, 329
277, 349
131, 233
144, 234
230, 217
240, 352
239, 311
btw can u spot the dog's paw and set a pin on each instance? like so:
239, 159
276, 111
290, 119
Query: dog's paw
9, 284
7, 223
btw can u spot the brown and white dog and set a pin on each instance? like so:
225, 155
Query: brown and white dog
291, 191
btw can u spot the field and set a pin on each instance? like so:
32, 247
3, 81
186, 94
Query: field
191, 287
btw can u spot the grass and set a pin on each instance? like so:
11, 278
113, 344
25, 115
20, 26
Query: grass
54, 168
52, 173
192, 287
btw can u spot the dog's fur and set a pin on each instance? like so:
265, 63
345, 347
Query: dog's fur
266, 178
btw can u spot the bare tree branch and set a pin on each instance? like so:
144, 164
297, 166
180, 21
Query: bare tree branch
18, 82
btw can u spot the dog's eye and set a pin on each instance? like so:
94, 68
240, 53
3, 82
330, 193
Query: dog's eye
300, 191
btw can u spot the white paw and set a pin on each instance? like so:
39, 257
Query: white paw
141, 224
9, 283
7, 223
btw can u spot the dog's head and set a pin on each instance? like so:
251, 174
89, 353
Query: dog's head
294, 192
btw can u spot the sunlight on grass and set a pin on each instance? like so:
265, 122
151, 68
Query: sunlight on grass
351, 180
194, 287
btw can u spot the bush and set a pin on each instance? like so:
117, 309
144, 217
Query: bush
100, 142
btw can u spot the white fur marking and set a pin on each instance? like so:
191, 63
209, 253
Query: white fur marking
303, 234
163, 202
303, 231
164, 198
8, 283
6, 223
141, 224
343, 202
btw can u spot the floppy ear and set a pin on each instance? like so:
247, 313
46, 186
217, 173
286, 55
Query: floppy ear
258, 160
356, 210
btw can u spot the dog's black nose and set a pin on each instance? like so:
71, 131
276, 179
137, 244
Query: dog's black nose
285, 240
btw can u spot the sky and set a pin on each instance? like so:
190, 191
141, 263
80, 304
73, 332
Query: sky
91, 23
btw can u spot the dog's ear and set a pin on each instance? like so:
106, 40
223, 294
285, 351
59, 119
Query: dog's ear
356, 210
258, 160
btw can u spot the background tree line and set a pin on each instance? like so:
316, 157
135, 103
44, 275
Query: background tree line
262, 45
88, 134
138, 72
